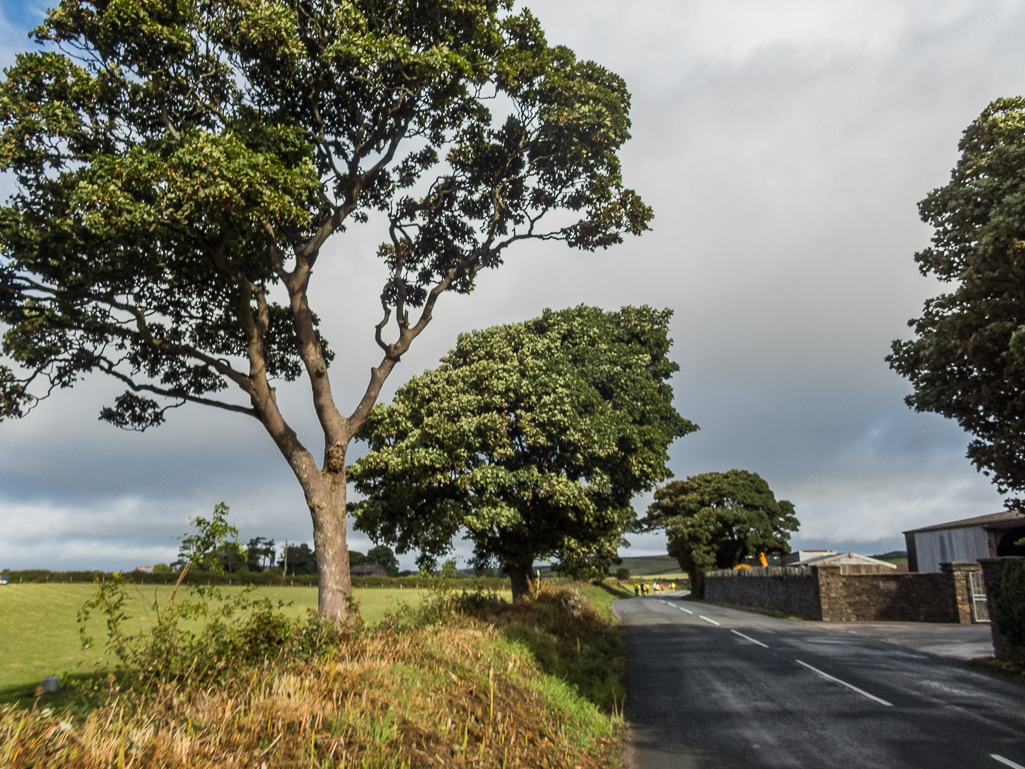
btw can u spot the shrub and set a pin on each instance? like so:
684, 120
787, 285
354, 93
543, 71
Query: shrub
233, 634
1009, 601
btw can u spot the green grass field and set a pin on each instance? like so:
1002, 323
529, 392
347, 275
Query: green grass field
39, 630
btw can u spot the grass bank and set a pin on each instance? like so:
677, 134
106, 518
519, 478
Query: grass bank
465, 679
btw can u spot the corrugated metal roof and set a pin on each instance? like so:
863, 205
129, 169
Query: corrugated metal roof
982, 520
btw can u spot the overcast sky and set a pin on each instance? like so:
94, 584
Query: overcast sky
783, 146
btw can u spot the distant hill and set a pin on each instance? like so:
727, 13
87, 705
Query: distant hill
649, 565
898, 557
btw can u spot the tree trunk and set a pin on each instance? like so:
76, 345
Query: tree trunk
520, 576
325, 496
697, 582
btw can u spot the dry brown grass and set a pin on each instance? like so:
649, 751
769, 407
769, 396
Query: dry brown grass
470, 690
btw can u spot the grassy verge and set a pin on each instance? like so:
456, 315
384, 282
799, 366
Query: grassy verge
465, 679
39, 630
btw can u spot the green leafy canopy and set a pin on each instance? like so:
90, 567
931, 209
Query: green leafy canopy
177, 159
531, 438
967, 361
715, 520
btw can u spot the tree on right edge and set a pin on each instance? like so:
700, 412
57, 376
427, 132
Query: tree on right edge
715, 520
968, 360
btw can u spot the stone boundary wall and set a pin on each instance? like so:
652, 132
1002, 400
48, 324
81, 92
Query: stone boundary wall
848, 593
792, 590
1003, 648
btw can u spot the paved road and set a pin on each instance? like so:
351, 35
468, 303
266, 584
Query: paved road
713, 687
959, 642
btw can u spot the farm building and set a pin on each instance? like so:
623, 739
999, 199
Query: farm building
987, 536
801, 557
833, 558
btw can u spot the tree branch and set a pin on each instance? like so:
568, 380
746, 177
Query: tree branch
107, 367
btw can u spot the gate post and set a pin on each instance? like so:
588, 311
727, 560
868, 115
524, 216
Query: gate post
961, 589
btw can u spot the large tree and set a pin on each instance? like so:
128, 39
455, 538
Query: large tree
182, 164
967, 361
715, 520
531, 439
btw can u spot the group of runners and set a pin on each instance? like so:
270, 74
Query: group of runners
655, 588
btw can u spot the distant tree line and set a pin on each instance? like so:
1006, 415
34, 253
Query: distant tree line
214, 546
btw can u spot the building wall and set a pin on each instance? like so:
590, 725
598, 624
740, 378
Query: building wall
848, 593
948, 545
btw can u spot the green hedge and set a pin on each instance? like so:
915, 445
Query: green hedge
1009, 601
252, 578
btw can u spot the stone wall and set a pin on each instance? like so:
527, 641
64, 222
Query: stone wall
792, 590
1003, 648
849, 593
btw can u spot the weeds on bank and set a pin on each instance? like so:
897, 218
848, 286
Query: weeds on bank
1006, 670
466, 679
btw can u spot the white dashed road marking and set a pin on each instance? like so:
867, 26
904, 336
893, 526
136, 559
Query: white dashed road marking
852, 687
686, 610
749, 638
706, 619
1006, 761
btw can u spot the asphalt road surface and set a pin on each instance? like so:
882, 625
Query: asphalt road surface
714, 687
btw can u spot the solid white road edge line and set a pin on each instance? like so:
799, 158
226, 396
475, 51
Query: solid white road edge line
706, 619
749, 638
852, 687
686, 610
1006, 761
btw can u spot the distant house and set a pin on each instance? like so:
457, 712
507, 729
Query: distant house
144, 569
833, 558
368, 570
987, 536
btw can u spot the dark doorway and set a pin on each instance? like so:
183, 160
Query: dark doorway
1006, 544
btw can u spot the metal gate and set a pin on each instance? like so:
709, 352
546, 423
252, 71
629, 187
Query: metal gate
980, 609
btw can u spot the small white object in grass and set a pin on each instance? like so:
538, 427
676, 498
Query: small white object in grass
50, 685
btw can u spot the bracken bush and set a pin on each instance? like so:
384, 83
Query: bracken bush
466, 679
